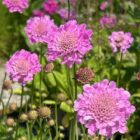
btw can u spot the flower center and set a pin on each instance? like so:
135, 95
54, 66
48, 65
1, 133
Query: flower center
22, 66
40, 28
118, 41
67, 41
104, 107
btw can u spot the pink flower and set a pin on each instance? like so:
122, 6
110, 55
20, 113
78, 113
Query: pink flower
72, 2
22, 66
16, 5
38, 29
50, 6
120, 40
104, 5
107, 21
70, 43
104, 108
64, 14
38, 13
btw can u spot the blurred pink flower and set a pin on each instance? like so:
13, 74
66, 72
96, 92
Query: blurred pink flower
70, 43
138, 76
120, 40
108, 21
22, 66
104, 5
50, 6
38, 29
64, 14
38, 13
72, 2
16, 5
104, 108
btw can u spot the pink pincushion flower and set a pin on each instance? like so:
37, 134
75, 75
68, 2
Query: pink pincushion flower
16, 5
50, 6
38, 29
38, 13
70, 43
22, 66
108, 21
104, 108
104, 5
64, 14
120, 40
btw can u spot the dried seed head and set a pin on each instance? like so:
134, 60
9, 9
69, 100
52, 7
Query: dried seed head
49, 67
10, 122
51, 122
84, 75
7, 84
61, 97
138, 76
13, 107
32, 115
23, 117
44, 112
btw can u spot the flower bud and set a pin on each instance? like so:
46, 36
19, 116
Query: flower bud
49, 67
23, 117
10, 122
32, 115
61, 97
51, 122
13, 107
7, 84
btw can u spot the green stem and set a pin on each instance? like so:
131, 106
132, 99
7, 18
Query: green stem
32, 93
119, 69
21, 101
68, 9
28, 131
56, 122
2, 86
41, 73
11, 93
41, 129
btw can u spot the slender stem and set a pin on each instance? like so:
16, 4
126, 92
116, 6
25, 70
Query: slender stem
56, 121
32, 93
11, 93
28, 131
41, 129
1, 101
21, 101
2, 86
40, 83
50, 134
119, 69
68, 9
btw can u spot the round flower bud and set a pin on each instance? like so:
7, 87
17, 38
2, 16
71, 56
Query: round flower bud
10, 122
32, 115
23, 117
61, 135
138, 76
61, 127
69, 102
13, 107
49, 68
44, 112
84, 75
7, 84
23, 138
61, 97
51, 122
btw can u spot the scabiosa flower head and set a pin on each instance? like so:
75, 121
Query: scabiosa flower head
22, 66
64, 14
38, 29
16, 5
84, 75
108, 21
104, 108
50, 6
120, 40
70, 42
38, 13
104, 5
